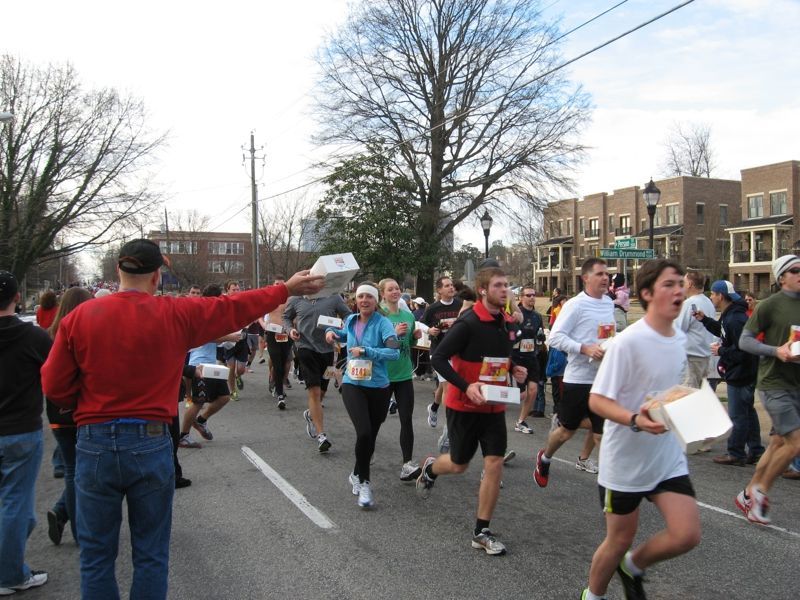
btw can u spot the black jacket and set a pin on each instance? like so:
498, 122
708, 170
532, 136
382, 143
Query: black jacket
23, 350
736, 366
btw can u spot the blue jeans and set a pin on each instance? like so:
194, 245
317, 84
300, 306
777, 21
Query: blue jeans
746, 428
20, 458
66, 438
116, 461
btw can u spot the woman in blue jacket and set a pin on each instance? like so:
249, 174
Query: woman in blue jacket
371, 341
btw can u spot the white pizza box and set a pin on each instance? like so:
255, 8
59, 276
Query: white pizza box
324, 322
500, 394
338, 269
211, 371
274, 327
424, 341
695, 418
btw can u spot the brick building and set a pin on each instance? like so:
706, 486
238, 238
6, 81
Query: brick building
768, 227
689, 227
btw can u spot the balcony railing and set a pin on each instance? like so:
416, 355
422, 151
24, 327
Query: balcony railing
763, 255
741, 256
622, 231
592, 233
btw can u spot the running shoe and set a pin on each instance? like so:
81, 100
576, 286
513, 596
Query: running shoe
444, 441
523, 427
353, 479
182, 482
631, 584
392, 407
365, 499
55, 526
587, 465
187, 441
235, 395
324, 442
311, 430
410, 471
486, 540
425, 483
509, 457
239, 382
36, 579
282, 401
541, 474
203, 430
743, 503
759, 507
433, 417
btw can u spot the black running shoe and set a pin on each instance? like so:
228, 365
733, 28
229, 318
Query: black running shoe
632, 584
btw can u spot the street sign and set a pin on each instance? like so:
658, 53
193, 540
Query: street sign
627, 243
619, 253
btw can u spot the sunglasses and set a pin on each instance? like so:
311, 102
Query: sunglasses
793, 271
529, 295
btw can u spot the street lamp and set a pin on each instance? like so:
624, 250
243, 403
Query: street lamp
651, 197
486, 223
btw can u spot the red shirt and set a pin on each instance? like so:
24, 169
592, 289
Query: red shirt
46, 316
122, 356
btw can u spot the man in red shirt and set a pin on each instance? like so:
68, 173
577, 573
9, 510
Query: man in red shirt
122, 389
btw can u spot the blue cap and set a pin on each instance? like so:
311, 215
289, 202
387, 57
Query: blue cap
726, 289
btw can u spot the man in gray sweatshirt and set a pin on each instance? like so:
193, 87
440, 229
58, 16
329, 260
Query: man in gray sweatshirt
314, 355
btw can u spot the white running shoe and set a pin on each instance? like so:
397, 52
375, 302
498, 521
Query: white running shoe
410, 471
353, 479
523, 427
433, 417
365, 499
486, 540
759, 506
444, 441
587, 465
36, 579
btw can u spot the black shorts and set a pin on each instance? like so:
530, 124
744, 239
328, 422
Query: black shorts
207, 389
312, 367
468, 429
530, 361
574, 408
624, 503
240, 352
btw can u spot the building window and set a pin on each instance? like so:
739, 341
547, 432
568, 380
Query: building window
723, 250
611, 224
777, 203
178, 247
723, 214
701, 214
594, 250
581, 225
701, 248
569, 226
225, 266
755, 206
644, 225
672, 214
624, 225
594, 228
234, 248
657, 219
560, 223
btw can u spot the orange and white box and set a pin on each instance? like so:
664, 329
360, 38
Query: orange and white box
500, 394
338, 270
214, 371
325, 322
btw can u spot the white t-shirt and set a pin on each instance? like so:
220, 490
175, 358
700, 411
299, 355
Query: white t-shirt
640, 362
699, 339
579, 323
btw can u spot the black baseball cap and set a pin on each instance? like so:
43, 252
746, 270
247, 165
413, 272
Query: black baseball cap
8, 286
140, 256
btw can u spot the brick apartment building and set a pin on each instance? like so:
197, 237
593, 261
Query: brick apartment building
689, 227
768, 227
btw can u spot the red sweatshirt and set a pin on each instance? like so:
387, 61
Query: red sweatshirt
122, 356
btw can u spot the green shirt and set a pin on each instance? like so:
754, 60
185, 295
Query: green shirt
402, 369
775, 316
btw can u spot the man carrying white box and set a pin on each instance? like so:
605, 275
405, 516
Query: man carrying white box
636, 462
476, 352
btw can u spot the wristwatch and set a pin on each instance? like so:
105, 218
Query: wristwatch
633, 425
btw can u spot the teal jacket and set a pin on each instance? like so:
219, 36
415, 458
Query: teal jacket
373, 341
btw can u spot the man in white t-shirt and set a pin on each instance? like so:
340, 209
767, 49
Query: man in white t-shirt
582, 328
636, 460
698, 339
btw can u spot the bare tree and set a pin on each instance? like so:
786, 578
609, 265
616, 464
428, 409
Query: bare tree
287, 236
70, 163
466, 92
186, 230
689, 151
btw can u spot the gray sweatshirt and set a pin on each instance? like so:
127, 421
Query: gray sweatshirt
302, 314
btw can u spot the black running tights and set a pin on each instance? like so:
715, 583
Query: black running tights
367, 408
404, 396
279, 353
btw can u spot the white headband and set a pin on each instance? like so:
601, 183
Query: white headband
367, 289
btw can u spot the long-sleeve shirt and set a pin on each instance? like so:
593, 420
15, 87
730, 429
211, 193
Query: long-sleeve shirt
373, 341
698, 338
302, 314
136, 372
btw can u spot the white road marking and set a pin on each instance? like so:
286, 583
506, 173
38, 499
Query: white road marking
317, 517
716, 509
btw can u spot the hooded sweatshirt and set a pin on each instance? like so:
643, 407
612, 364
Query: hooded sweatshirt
736, 367
23, 350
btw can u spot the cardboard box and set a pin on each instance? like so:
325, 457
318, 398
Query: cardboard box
274, 327
338, 269
214, 371
500, 394
795, 348
325, 322
424, 341
695, 418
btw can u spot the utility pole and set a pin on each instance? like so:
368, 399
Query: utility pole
254, 201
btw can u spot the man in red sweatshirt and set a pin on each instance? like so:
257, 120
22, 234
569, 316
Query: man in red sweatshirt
122, 389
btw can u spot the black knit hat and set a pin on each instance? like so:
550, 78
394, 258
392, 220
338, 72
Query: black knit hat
8, 286
139, 257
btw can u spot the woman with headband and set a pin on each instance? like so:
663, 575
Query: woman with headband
371, 342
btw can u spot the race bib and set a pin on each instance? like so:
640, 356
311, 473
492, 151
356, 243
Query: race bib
445, 324
330, 373
494, 370
606, 331
359, 369
281, 337
527, 345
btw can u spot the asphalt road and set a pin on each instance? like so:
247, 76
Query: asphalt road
236, 535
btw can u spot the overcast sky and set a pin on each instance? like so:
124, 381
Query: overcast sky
212, 73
